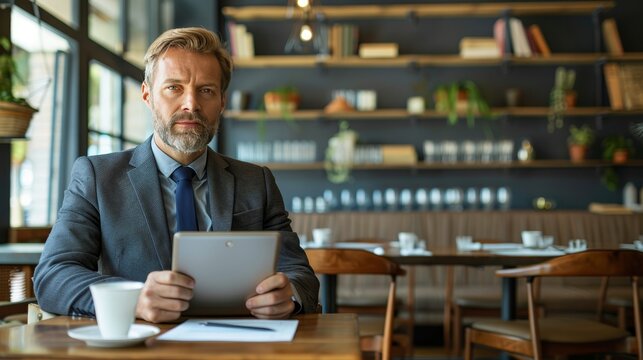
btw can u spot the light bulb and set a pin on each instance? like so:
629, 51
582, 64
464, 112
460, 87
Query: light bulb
303, 3
306, 33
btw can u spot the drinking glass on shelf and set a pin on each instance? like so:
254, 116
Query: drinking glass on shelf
390, 198
468, 151
435, 197
309, 204
422, 199
449, 151
406, 200
321, 206
503, 198
378, 200
346, 199
485, 150
297, 205
431, 152
330, 199
472, 198
361, 199
487, 198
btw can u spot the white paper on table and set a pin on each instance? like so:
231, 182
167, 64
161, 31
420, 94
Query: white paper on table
193, 330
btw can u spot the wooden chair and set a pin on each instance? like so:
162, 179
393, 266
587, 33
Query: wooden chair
376, 336
563, 336
618, 304
457, 308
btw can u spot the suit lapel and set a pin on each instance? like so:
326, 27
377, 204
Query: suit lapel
221, 190
145, 181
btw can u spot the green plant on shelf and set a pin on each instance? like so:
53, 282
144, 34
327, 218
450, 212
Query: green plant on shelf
583, 135
561, 97
281, 101
461, 98
617, 148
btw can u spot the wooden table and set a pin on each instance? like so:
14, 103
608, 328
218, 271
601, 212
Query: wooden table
448, 257
319, 336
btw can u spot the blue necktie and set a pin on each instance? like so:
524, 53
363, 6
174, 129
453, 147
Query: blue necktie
184, 194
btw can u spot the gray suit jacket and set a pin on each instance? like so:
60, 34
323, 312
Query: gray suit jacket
112, 225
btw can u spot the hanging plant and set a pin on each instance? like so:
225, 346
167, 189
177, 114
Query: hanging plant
339, 154
561, 97
461, 98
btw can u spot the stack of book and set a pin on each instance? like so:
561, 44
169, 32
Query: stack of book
241, 41
378, 50
479, 47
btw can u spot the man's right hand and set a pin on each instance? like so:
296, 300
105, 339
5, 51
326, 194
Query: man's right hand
165, 295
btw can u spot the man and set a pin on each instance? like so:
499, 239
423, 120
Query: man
118, 215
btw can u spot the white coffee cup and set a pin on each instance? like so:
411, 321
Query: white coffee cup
115, 306
322, 236
531, 238
407, 241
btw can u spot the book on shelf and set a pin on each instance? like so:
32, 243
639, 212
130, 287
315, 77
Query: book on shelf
539, 40
611, 72
611, 37
631, 77
519, 40
479, 47
343, 40
502, 36
378, 50
241, 41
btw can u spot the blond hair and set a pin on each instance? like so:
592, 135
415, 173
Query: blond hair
193, 39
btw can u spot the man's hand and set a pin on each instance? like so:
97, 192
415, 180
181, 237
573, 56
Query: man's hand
273, 299
165, 295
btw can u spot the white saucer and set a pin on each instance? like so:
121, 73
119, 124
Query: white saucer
91, 335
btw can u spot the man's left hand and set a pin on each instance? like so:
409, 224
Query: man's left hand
273, 299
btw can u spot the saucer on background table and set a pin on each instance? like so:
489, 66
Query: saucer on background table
92, 337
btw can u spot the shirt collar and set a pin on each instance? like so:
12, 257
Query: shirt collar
167, 165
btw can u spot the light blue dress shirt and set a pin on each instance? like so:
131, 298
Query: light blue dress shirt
166, 166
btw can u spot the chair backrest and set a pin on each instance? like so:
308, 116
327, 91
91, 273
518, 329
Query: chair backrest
586, 263
351, 261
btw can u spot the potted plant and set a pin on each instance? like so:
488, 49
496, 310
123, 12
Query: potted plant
281, 100
561, 97
15, 112
459, 98
580, 138
617, 148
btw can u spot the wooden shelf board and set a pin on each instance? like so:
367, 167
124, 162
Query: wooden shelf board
402, 114
535, 164
310, 61
405, 11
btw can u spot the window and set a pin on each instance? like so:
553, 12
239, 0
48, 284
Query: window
138, 118
65, 10
105, 131
104, 24
42, 57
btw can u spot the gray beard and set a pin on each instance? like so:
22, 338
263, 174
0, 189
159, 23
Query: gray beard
189, 141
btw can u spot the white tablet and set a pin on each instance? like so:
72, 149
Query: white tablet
226, 267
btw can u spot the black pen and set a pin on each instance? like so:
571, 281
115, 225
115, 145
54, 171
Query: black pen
236, 326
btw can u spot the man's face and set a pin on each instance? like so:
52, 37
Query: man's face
186, 99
